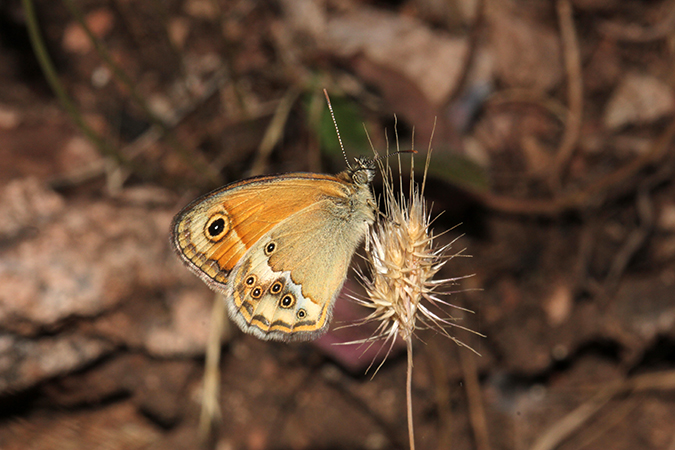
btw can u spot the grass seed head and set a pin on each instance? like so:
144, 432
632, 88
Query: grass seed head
402, 260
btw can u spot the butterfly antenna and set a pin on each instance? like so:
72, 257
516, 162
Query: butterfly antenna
429, 150
337, 130
412, 165
400, 152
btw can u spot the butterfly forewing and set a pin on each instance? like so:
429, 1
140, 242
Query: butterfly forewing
279, 247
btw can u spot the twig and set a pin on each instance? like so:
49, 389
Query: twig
78, 176
159, 126
275, 130
57, 87
442, 394
634, 242
616, 416
587, 242
138, 145
528, 97
636, 33
564, 428
592, 195
470, 55
117, 71
156, 132
575, 93
475, 400
637, 238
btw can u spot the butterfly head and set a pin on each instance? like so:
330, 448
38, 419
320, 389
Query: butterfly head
363, 171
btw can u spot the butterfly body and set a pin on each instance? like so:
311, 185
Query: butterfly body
278, 247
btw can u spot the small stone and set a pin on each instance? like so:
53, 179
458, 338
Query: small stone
9, 118
100, 22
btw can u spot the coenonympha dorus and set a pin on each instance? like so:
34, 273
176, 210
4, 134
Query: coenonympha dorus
278, 247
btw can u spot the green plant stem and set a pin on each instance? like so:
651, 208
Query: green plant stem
121, 75
408, 393
52, 78
105, 56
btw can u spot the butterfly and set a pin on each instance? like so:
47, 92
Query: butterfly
278, 247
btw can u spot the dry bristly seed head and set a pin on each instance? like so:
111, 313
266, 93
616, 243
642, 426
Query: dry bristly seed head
401, 264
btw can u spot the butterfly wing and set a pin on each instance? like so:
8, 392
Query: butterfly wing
285, 286
214, 232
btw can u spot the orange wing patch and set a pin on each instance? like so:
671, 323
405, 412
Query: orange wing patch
214, 232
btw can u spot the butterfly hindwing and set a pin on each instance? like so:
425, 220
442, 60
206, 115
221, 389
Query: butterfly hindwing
308, 255
270, 304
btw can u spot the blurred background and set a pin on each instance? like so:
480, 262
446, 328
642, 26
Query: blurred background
553, 150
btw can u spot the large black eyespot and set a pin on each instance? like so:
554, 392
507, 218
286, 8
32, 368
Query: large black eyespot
217, 227
250, 281
276, 287
301, 313
287, 301
269, 248
257, 292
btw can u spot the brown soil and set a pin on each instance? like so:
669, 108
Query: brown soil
553, 148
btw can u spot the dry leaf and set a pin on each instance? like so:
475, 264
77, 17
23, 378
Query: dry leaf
429, 59
638, 99
414, 68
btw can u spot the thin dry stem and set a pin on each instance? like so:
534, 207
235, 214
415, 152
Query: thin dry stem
408, 393
475, 399
210, 411
575, 90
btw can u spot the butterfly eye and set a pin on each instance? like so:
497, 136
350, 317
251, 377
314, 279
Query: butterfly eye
302, 314
217, 227
276, 287
257, 292
250, 281
287, 301
269, 248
